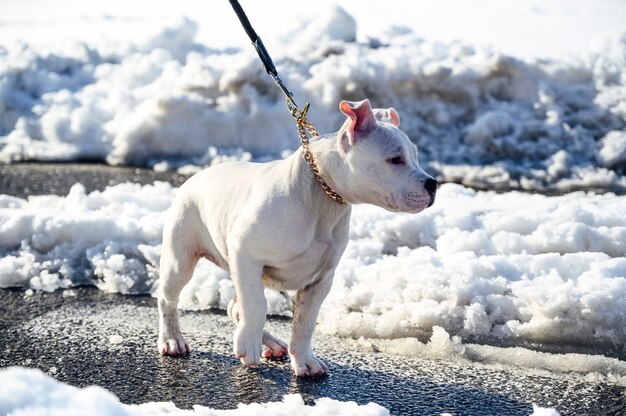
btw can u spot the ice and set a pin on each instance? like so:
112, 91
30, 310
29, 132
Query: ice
542, 411
168, 100
116, 339
440, 345
26, 391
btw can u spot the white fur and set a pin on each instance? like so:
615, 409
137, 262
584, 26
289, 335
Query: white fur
271, 224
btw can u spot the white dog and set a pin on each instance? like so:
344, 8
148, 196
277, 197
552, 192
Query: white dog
272, 225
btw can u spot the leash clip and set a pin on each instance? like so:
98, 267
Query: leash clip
296, 113
291, 104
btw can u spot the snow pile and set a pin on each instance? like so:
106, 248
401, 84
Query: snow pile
29, 392
51, 242
477, 264
480, 117
480, 264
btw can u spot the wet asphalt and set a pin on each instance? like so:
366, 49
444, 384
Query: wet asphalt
67, 334
69, 338
25, 179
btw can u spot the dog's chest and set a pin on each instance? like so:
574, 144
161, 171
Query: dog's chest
304, 269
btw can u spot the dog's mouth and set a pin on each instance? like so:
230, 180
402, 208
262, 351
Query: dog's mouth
410, 203
432, 200
417, 201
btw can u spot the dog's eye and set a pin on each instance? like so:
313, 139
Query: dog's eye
396, 160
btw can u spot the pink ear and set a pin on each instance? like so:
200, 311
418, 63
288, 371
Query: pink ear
361, 119
387, 115
395, 117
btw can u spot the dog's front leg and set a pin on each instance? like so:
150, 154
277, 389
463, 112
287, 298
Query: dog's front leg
246, 275
308, 303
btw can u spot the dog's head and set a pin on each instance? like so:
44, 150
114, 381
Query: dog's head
382, 161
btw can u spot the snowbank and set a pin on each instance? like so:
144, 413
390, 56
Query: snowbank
479, 265
480, 117
26, 392
51, 242
548, 269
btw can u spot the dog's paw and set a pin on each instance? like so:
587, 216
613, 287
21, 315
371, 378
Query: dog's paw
247, 347
273, 347
173, 346
308, 365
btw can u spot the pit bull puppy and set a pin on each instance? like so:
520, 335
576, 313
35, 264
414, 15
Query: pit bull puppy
272, 225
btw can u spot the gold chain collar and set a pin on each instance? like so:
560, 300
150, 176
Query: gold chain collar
304, 129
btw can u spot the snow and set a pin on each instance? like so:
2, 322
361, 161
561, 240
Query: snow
541, 411
478, 265
172, 99
30, 392
116, 339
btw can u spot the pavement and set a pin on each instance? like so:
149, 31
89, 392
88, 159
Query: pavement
24, 179
68, 335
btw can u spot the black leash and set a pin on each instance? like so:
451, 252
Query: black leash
265, 56
305, 128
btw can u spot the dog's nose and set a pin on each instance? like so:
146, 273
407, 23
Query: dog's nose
431, 186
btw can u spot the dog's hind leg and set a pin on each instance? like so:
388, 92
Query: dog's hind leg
272, 346
178, 260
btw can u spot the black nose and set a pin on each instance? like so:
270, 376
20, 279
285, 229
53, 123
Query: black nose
431, 186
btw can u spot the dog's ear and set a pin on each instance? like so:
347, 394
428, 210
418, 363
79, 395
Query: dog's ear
360, 120
387, 115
